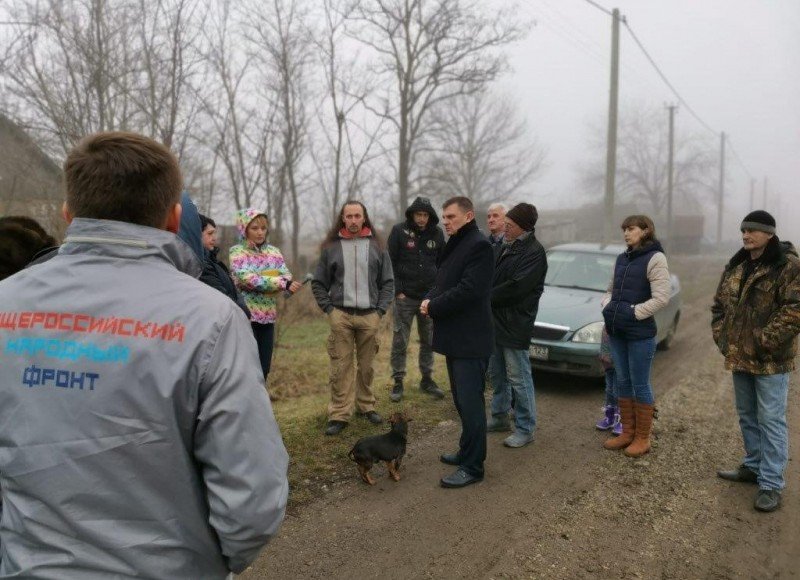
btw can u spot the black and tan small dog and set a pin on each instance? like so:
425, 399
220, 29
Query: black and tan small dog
389, 447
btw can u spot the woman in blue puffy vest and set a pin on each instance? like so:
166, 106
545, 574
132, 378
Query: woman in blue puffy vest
640, 288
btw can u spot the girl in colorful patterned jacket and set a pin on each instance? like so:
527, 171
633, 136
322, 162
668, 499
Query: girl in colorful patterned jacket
260, 274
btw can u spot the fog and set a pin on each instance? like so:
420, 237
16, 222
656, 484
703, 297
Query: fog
735, 62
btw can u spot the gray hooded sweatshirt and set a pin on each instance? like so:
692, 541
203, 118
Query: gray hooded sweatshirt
136, 437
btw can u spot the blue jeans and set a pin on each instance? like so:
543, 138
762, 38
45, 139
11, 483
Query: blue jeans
633, 360
761, 404
611, 388
510, 368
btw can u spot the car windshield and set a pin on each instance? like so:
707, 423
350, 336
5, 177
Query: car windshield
585, 270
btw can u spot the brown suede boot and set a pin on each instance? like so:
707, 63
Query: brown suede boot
644, 424
628, 420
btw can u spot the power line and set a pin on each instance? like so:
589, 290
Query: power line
739, 159
585, 40
666, 80
559, 29
672, 87
600, 8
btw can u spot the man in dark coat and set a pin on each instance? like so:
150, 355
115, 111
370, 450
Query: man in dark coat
414, 246
516, 288
459, 304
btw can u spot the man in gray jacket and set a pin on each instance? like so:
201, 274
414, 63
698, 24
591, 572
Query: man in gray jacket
354, 285
136, 437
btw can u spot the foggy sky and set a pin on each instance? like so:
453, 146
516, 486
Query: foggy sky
736, 63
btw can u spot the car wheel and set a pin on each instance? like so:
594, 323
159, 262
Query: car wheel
667, 342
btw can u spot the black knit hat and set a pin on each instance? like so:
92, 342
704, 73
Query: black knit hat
524, 215
759, 220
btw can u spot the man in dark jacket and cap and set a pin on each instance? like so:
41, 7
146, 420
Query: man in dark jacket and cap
516, 288
755, 320
414, 246
459, 304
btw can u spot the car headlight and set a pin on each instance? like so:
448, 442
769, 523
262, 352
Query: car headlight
591, 333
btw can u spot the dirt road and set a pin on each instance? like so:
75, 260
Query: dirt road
563, 507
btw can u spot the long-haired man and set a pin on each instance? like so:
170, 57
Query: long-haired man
354, 285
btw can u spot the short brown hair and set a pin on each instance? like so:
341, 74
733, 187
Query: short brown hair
464, 203
643, 222
122, 176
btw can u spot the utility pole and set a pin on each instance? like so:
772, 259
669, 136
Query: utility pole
611, 144
764, 206
752, 193
670, 170
720, 201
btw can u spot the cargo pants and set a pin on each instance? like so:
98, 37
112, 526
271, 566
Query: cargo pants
353, 332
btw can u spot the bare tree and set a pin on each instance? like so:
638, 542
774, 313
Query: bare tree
642, 152
81, 66
70, 68
281, 45
348, 141
167, 63
432, 51
236, 134
480, 148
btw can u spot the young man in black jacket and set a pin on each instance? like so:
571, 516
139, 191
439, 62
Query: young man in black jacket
459, 305
414, 246
516, 288
215, 273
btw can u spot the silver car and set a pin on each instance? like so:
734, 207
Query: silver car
569, 324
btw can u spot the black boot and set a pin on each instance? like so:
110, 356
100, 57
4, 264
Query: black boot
427, 385
397, 391
334, 427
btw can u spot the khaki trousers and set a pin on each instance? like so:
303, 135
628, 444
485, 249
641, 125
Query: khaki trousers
351, 334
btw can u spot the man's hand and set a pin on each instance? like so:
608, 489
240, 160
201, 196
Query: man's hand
401, 296
294, 287
423, 307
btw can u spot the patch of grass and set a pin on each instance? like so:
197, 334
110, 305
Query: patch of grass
299, 380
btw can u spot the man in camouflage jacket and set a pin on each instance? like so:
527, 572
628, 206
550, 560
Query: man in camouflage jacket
755, 322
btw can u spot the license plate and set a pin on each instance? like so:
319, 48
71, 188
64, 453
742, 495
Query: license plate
539, 352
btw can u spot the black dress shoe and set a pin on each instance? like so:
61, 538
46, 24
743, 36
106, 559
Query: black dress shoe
741, 474
450, 459
335, 427
459, 478
768, 500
